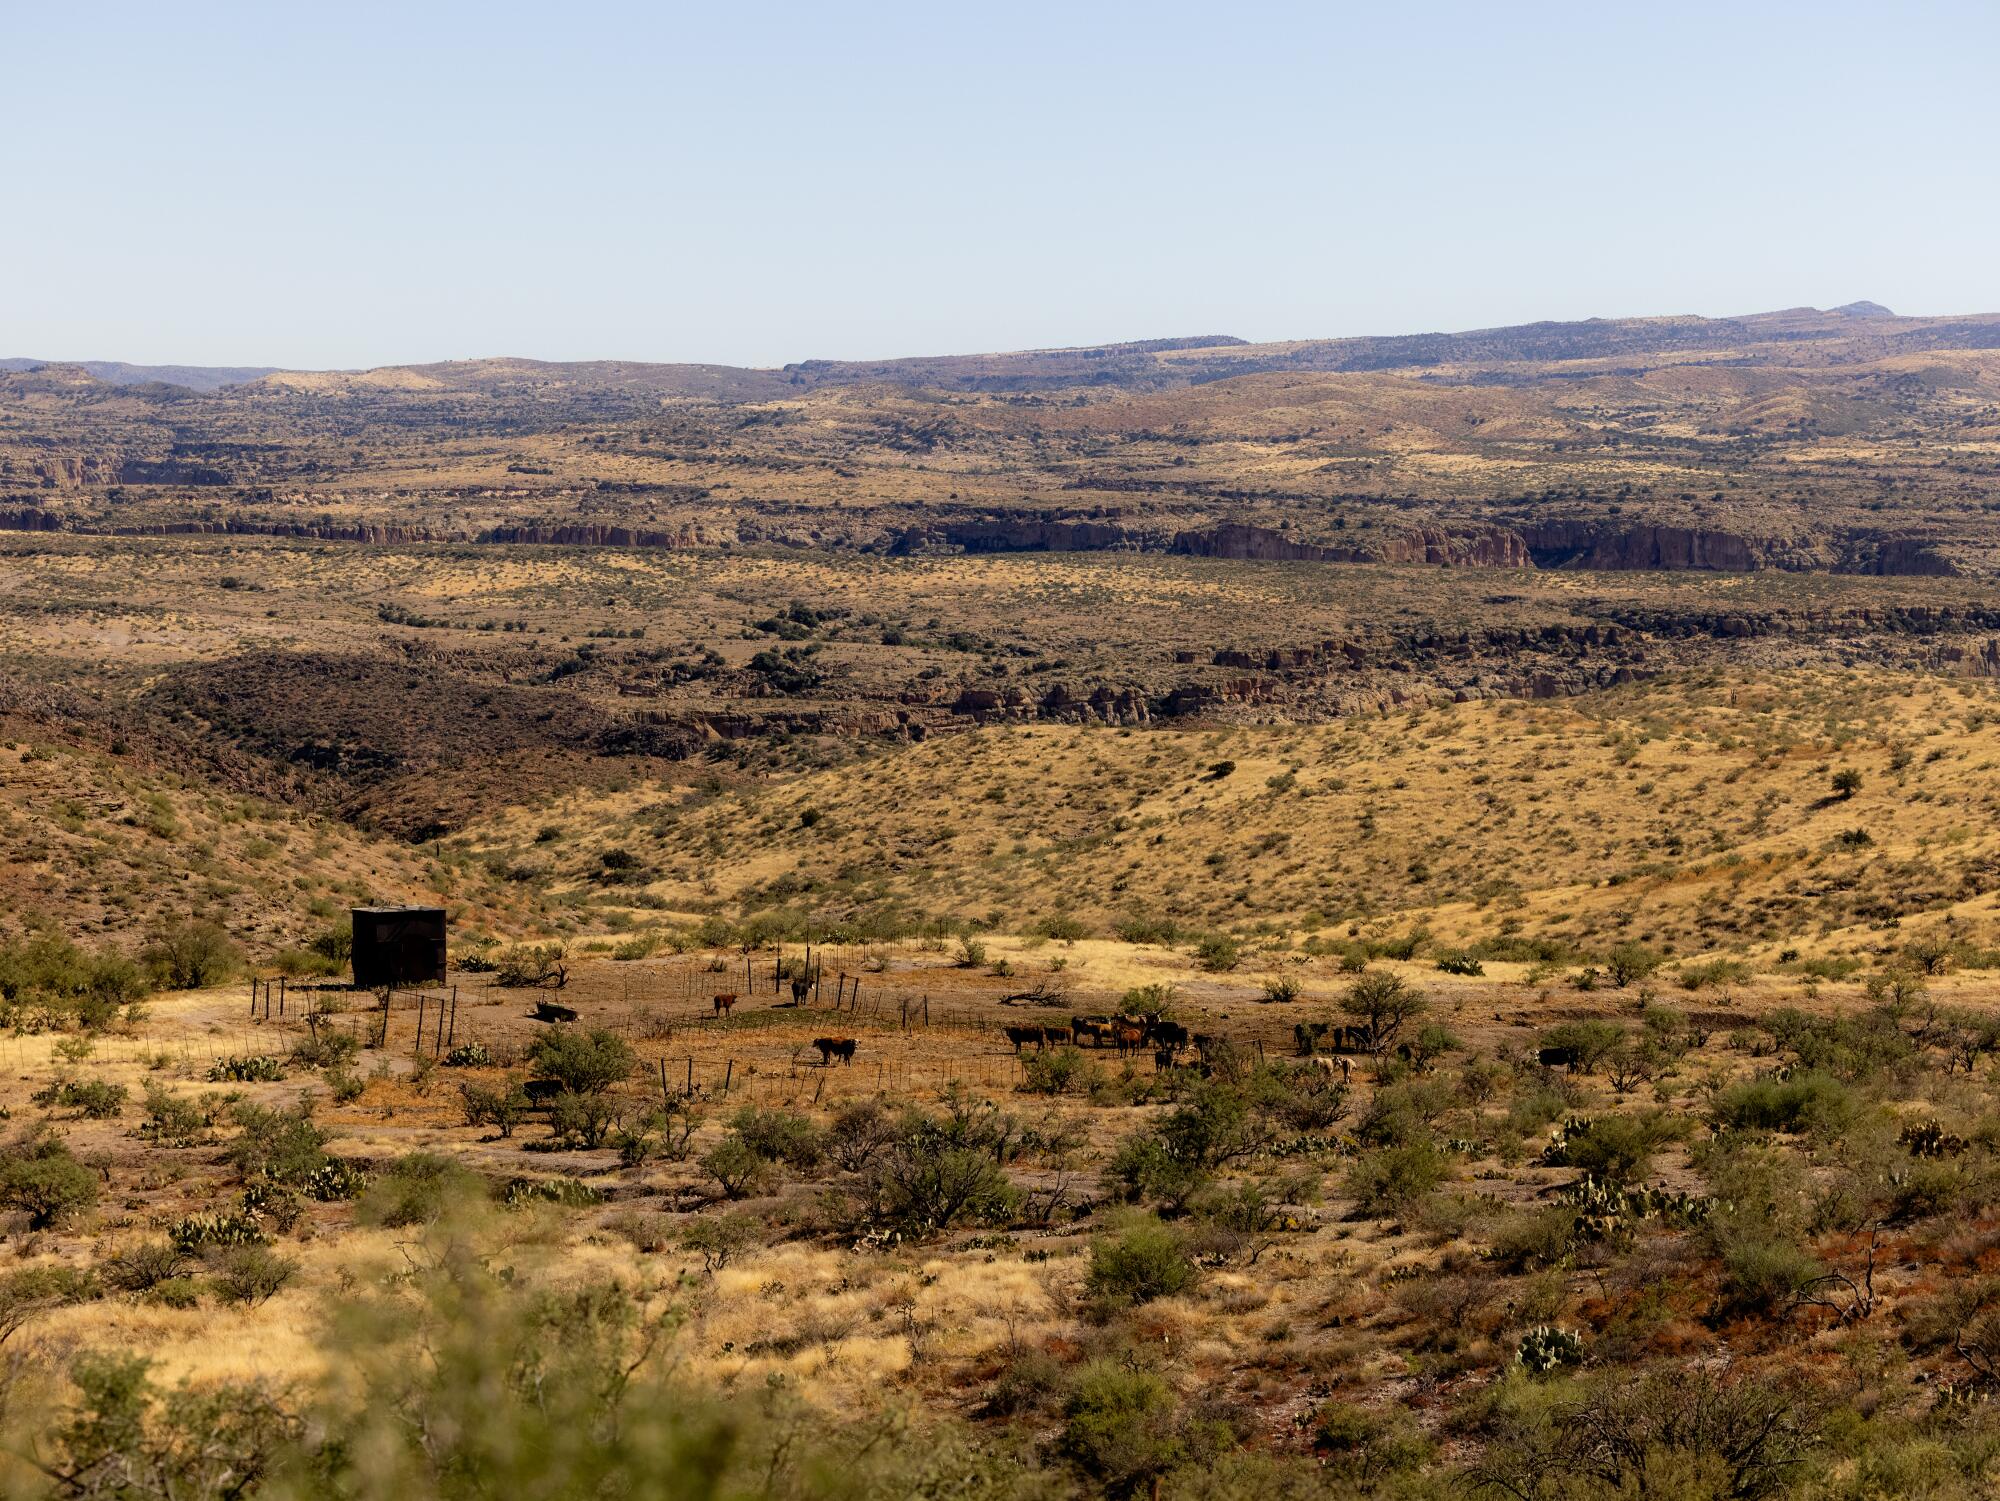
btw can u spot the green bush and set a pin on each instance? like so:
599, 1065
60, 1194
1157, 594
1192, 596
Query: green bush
1144, 1261
46, 980
419, 1189
780, 1136
39, 1174
93, 1099
253, 1274
1394, 1179
1056, 1071
325, 1048
1808, 1103
739, 1171
504, 1107
583, 1063
1121, 1429
192, 955
583, 1121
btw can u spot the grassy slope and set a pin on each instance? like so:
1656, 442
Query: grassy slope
1694, 815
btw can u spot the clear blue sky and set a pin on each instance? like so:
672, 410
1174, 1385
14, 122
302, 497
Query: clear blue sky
354, 184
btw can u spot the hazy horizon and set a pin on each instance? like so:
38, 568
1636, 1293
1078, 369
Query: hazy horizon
642, 359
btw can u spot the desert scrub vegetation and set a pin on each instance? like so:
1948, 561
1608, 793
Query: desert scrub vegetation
49, 982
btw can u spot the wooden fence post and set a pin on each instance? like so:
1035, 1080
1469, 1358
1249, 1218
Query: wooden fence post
417, 1051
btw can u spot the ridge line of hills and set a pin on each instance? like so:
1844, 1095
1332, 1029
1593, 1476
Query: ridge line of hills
1148, 363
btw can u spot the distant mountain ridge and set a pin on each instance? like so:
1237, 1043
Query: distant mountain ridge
118, 373
1853, 331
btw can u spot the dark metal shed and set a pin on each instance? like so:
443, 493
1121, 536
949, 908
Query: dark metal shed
398, 946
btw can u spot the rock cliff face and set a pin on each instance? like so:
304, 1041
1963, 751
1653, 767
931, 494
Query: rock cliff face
1479, 547
1028, 534
1577, 544
595, 534
1584, 544
1470, 547
36, 519
1594, 545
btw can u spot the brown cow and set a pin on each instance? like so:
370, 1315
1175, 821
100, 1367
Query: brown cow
723, 1003
1130, 1036
831, 1048
1096, 1028
1021, 1036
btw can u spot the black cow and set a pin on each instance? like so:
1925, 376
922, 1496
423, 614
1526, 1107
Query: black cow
831, 1048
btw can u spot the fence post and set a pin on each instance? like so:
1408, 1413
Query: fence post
418, 1050
729, 1073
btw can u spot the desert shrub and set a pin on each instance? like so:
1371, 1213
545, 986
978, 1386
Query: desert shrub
469, 1055
192, 955
175, 1292
1385, 1004
274, 1204
279, 1146
1062, 928
1850, 1047
971, 953
46, 980
418, 1189
1810, 1103
941, 1171
325, 1048
1531, 1239
175, 1120
719, 1238
1459, 962
781, 1136
1392, 1180
1031, 1382
1281, 990
582, 1120
141, 1268
253, 1274
737, 1170
298, 963
1122, 1429
504, 1107
1683, 1431
1142, 928
531, 965
93, 1099
570, 1193
1630, 963
345, 1087
1056, 1071
859, 1130
1143, 1261
40, 1175
1305, 1098
1713, 974
1217, 952
582, 1062
1213, 1125
1615, 1148
335, 942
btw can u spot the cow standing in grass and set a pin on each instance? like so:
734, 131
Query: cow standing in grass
831, 1048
